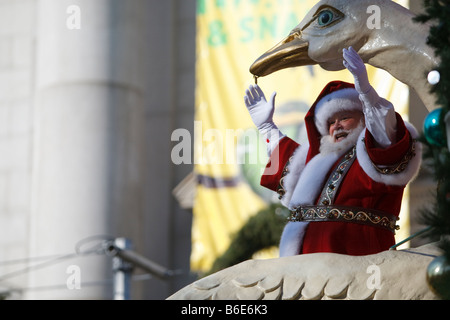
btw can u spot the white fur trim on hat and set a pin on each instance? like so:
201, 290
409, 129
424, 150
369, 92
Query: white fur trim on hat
340, 100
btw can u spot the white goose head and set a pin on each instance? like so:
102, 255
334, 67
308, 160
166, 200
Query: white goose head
397, 44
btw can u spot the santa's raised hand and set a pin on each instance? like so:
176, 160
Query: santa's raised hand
354, 64
261, 111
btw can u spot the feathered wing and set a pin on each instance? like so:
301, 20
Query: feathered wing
398, 275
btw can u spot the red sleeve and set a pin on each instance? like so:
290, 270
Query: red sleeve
395, 152
278, 159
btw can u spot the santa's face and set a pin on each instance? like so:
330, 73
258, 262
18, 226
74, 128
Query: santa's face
342, 123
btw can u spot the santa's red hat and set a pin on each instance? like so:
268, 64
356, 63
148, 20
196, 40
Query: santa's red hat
335, 96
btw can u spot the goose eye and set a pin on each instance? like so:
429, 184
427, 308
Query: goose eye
325, 17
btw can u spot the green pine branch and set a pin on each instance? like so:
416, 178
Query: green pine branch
436, 13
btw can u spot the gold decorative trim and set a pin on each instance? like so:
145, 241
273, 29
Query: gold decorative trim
345, 214
336, 177
280, 188
402, 165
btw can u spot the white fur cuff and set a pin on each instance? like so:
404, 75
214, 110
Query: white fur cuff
398, 179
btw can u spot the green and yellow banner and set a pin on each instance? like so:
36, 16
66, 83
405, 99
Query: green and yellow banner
228, 153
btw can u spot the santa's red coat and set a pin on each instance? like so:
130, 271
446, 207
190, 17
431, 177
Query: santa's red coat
361, 187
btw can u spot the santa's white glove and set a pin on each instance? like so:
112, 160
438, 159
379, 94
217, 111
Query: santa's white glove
261, 111
379, 114
354, 64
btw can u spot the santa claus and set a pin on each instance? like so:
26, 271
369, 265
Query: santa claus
344, 187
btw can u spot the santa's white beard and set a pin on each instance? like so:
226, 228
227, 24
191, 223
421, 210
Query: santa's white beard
328, 145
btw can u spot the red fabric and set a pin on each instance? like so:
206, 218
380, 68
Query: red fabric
394, 153
278, 159
357, 190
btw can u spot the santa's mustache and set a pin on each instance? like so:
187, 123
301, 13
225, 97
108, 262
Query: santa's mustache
329, 142
341, 132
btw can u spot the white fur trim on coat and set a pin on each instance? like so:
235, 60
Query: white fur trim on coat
312, 179
292, 238
295, 168
398, 179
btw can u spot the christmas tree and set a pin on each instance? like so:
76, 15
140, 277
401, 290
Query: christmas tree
434, 137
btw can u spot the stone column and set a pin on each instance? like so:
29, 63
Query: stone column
89, 146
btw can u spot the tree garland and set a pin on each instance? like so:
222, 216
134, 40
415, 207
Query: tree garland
436, 151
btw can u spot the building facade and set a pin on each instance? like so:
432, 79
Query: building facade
91, 92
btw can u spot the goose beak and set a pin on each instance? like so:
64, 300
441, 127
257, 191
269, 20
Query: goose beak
290, 52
